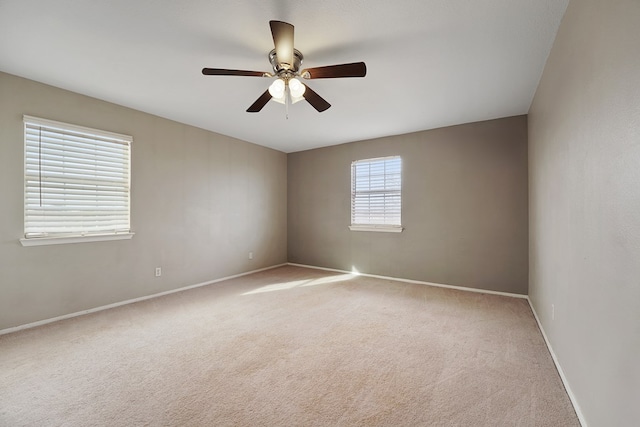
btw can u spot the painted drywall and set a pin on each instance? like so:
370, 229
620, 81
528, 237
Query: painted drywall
464, 207
584, 154
200, 203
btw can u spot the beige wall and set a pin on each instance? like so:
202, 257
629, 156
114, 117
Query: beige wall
584, 163
200, 202
464, 207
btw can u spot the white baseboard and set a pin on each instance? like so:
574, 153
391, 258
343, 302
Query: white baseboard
130, 301
572, 397
419, 282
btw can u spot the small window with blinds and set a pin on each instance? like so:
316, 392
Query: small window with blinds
77, 183
376, 194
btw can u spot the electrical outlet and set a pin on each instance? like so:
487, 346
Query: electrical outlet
250, 255
158, 271
553, 312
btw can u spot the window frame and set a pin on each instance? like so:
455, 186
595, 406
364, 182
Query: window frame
74, 131
389, 228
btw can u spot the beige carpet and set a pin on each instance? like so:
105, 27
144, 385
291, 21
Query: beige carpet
288, 347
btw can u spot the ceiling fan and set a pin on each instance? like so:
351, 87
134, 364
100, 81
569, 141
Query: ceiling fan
286, 61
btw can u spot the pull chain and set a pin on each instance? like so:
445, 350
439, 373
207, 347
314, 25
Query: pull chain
287, 93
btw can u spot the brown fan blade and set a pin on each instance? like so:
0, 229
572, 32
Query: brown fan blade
260, 102
355, 69
224, 72
315, 100
282, 33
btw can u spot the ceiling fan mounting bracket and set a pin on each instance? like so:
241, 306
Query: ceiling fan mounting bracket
280, 67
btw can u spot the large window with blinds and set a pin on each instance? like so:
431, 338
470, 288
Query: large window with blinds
376, 194
76, 183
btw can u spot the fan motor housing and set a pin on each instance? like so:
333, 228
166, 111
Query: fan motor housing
278, 68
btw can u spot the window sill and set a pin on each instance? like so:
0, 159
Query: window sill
41, 241
377, 228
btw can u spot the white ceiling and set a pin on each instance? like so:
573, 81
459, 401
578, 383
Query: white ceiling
430, 63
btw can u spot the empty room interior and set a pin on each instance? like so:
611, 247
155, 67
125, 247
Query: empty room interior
320, 213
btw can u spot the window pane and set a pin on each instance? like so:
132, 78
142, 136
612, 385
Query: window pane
76, 180
376, 191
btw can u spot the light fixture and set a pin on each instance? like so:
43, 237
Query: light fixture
285, 89
297, 89
277, 89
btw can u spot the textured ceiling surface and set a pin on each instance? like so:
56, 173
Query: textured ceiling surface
430, 63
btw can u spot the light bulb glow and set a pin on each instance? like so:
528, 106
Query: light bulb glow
297, 89
276, 90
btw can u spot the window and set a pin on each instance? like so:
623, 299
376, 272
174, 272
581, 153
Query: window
76, 183
376, 194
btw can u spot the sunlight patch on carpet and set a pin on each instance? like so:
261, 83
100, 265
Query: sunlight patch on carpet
301, 283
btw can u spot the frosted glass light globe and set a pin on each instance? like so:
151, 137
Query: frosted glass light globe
297, 89
276, 89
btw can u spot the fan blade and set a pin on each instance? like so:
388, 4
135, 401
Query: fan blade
315, 100
224, 72
260, 102
355, 69
282, 33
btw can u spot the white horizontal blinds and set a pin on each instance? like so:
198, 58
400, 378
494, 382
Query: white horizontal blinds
376, 191
76, 180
